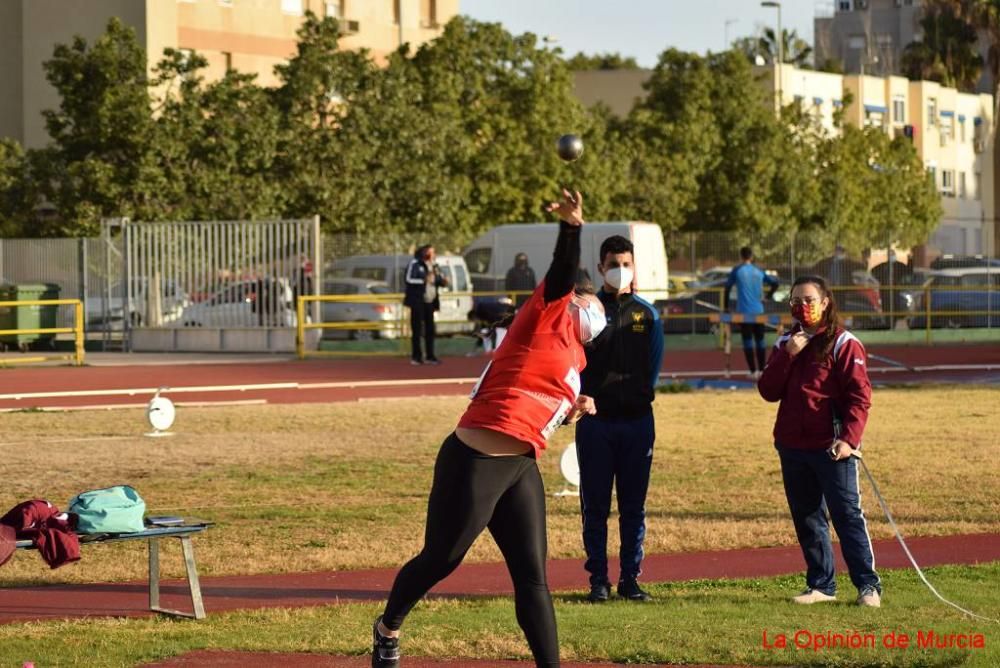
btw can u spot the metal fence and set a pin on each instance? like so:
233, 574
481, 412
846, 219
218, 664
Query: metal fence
154, 276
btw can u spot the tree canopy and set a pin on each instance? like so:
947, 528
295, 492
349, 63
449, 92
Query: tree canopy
457, 136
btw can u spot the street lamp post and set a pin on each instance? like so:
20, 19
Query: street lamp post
781, 48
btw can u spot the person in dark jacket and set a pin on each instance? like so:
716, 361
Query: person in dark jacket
520, 278
818, 372
616, 444
422, 282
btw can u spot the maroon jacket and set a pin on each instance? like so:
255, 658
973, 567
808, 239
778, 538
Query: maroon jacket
809, 390
51, 530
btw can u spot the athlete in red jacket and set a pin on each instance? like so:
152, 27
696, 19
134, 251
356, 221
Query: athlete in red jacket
486, 474
818, 373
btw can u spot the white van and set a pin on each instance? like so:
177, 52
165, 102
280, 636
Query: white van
456, 302
492, 253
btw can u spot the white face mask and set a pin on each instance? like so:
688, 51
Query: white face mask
619, 277
588, 323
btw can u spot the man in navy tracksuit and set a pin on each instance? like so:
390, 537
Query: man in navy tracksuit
616, 444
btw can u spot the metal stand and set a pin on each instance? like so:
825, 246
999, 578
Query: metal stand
194, 586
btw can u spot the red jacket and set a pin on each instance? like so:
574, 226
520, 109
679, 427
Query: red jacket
51, 530
810, 389
534, 379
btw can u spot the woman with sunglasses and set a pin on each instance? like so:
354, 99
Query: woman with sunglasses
818, 372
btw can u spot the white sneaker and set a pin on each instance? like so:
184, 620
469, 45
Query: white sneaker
810, 596
869, 598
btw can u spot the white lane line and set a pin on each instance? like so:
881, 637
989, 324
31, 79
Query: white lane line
149, 390
385, 383
102, 407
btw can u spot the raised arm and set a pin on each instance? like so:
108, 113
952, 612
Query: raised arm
561, 276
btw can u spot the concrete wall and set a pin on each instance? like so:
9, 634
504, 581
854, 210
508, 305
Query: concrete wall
46, 23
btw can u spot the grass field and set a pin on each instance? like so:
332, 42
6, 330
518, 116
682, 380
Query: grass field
690, 622
363, 470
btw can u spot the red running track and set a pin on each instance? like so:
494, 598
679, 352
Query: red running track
323, 588
346, 379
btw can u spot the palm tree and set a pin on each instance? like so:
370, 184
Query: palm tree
948, 52
796, 50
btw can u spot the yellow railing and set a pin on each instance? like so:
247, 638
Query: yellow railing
76, 330
711, 307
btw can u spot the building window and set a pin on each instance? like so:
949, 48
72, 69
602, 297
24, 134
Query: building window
948, 182
947, 128
961, 185
428, 13
961, 129
932, 111
335, 9
845, 5
899, 110
856, 42
978, 178
395, 12
293, 7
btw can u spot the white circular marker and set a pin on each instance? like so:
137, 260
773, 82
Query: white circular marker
570, 467
160, 413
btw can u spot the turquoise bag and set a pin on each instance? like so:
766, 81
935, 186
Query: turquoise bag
117, 509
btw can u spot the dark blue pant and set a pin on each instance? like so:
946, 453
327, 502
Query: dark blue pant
616, 454
814, 483
752, 334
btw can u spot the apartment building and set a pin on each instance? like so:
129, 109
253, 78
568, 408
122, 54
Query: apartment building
247, 35
869, 36
951, 131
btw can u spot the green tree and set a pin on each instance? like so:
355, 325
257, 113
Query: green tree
948, 52
217, 145
100, 162
796, 51
873, 187
18, 194
601, 61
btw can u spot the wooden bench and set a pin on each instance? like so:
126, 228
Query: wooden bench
153, 534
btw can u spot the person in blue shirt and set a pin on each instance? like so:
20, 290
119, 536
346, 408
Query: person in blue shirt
749, 281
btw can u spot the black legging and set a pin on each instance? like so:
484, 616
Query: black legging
422, 324
754, 331
472, 492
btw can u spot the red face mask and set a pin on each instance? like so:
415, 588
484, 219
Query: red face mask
808, 314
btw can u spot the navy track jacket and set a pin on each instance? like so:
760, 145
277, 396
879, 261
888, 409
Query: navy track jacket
623, 363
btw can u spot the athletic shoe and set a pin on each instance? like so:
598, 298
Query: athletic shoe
433, 361
385, 651
599, 592
629, 589
416, 362
870, 598
810, 596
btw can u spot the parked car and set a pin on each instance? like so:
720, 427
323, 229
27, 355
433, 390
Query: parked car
949, 261
260, 303
857, 304
456, 302
962, 298
679, 282
173, 300
388, 316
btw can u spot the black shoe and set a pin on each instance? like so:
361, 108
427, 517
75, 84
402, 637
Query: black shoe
599, 592
385, 651
629, 589
433, 361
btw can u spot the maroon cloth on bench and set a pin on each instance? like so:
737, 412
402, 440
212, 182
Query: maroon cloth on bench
50, 530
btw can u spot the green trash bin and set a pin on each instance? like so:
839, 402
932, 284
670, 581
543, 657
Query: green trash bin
28, 317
